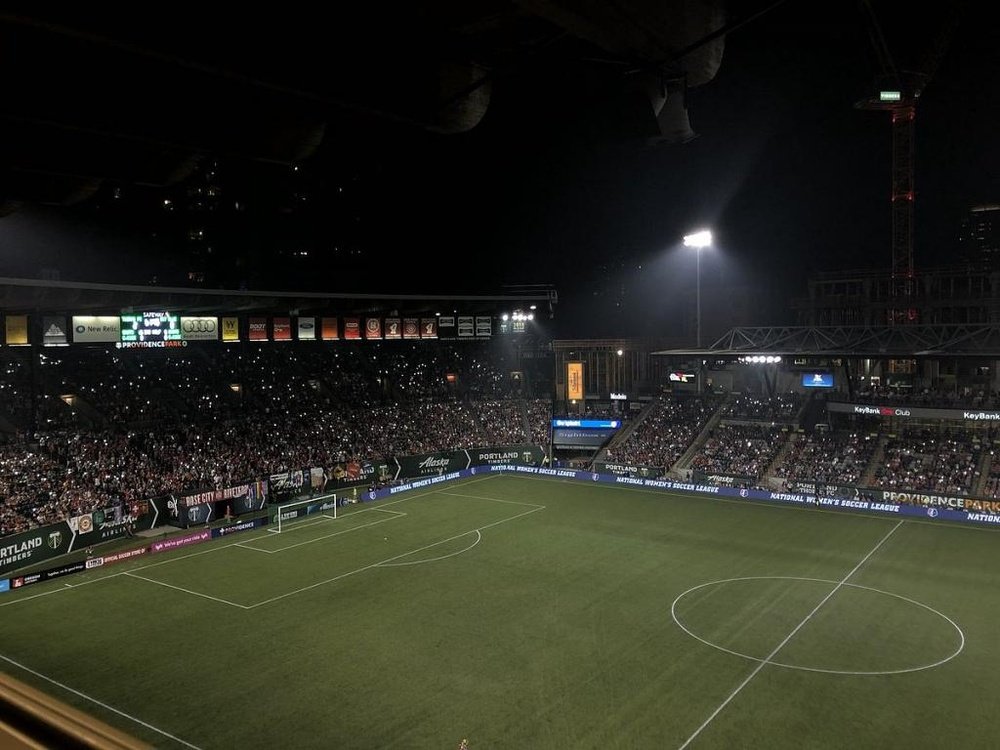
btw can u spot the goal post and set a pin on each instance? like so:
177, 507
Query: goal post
283, 514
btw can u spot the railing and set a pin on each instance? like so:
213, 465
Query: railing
32, 719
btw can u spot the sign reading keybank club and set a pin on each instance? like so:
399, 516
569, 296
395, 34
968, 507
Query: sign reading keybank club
914, 412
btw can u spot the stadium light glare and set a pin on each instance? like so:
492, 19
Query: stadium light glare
504, 316
699, 239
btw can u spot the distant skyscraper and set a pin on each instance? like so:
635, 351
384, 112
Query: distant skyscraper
979, 240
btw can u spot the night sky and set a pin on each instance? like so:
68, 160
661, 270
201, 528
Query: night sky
558, 185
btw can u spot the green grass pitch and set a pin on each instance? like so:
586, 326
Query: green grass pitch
521, 612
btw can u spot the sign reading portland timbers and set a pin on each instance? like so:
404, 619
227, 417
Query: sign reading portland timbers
445, 462
37, 545
628, 470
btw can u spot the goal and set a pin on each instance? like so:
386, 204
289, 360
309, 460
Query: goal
282, 515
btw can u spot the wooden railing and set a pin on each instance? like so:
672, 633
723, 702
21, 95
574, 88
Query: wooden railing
32, 719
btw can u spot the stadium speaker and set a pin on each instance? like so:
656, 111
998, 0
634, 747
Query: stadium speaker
668, 99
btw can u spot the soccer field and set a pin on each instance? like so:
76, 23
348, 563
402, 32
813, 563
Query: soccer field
525, 612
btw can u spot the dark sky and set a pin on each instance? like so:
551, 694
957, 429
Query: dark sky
557, 184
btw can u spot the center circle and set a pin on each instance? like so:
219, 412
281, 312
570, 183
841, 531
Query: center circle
845, 636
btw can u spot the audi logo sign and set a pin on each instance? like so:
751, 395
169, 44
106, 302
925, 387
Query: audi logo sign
199, 329
198, 325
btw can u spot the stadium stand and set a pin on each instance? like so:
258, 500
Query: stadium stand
144, 426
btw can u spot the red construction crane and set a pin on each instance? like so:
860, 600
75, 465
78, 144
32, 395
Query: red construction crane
896, 92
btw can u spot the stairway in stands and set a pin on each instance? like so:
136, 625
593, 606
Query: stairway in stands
684, 462
622, 435
878, 459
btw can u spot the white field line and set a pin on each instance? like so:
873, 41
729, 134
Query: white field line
942, 615
393, 558
186, 591
492, 499
393, 517
787, 638
56, 591
105, 706
214, 548
479, 538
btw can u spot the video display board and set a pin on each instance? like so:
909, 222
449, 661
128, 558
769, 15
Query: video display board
151, 329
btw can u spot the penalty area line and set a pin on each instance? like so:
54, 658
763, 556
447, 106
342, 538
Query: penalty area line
385, 563
187, 591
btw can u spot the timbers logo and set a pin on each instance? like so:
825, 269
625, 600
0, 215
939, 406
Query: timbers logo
55, 539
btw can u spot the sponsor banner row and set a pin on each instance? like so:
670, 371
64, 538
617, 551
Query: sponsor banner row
628, 470
99, 562
287, 485
92, 563
245, 497
976, 511
202, 507
163, 329
724, 480
86, 530
235, 528
181, 541
442, 462
914, 412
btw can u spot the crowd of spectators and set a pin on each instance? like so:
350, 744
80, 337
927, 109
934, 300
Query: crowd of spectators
540, 420
738, 450
668, 429
101, 427
838, 458
752, 407
942, 462
166, 424
992, 486
955, 398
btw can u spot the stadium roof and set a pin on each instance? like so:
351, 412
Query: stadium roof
24, 295
958, 340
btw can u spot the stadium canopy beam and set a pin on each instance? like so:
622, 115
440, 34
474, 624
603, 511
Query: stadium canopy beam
951, 340
24, 294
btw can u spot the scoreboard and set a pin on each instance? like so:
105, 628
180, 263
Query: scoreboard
150, 328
